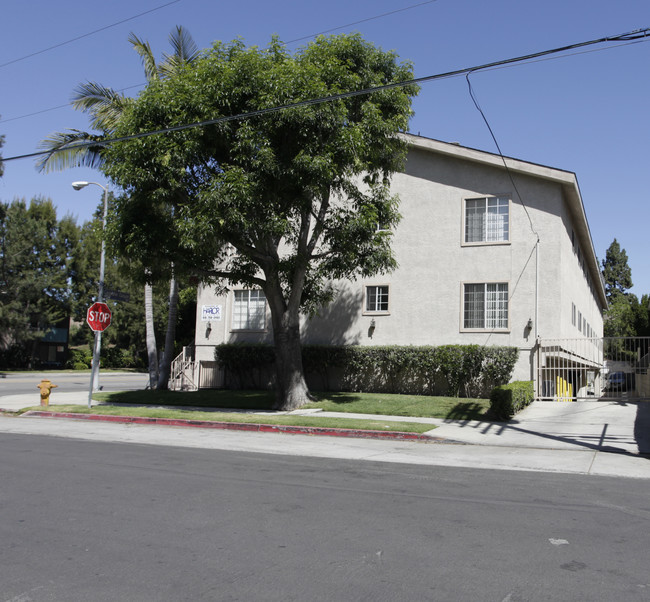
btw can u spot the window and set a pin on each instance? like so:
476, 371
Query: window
486, 220
249, 311
485, 306
573, 314
377, 298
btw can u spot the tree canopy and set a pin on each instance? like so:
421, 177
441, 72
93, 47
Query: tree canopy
296, 194
616, 271
37, 253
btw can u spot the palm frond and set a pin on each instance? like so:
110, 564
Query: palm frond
73, 148
148, 60
104, 105
185, 51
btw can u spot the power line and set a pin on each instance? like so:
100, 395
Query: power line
388, 14
60, 106
625, 37
85, 35
284, 43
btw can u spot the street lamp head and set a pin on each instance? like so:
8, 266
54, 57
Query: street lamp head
79, 185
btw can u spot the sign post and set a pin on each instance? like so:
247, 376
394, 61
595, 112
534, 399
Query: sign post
98, 317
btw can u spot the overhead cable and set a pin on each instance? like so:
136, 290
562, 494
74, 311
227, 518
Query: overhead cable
85, 35
625, 37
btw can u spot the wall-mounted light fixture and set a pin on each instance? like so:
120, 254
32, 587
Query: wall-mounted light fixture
371, 328
529, 324
208, 330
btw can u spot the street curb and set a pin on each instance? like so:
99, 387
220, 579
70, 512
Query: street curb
239, 426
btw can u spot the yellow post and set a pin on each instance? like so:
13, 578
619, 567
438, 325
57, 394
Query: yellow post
46, 387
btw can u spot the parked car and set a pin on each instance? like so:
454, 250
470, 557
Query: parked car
618, 381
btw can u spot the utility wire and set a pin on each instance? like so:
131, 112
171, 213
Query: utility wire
284, 43
85, 35
388, 14
548, 58
59, 106
625, 37
505, 164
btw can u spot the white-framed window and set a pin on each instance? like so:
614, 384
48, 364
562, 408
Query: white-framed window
573, 314
376, 299
249, 310
487, 219
485, 306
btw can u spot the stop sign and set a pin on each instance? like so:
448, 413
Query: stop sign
98, 316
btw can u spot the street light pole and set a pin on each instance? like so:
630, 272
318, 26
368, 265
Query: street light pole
94, 374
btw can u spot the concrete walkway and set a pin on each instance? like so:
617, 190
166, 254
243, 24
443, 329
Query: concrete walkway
605, 438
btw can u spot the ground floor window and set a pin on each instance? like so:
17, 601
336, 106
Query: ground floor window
377, 298
249, 310
485, 306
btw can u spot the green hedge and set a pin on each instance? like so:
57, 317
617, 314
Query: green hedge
507, 400
79, 359
110, 357
456, 370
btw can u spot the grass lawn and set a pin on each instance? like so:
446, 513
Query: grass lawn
310, 421
451, 408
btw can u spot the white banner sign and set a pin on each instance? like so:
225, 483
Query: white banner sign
210, 313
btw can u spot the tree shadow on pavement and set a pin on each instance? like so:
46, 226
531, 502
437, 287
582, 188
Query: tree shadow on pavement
642, 427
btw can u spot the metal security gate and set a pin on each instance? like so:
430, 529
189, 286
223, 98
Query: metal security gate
593, 369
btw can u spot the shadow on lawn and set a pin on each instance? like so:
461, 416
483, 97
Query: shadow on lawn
204, 398
467, 410
337, 398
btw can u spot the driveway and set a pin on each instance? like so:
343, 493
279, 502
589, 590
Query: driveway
599, 425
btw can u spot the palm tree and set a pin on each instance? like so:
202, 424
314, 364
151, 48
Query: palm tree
76, 148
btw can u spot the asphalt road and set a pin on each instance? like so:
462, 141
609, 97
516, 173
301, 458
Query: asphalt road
85, 520
16, 383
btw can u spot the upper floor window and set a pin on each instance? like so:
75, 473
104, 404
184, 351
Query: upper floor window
487, 220
377, 298
485, 306
249, 310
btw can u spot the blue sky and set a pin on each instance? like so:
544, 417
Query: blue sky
586, 113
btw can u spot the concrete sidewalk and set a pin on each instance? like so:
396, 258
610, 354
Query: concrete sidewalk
585, 437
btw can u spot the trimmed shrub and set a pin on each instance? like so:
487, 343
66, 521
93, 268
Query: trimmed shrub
248, 365
507, 400
456, 370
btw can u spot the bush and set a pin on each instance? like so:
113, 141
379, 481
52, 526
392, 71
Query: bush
468, 370
16, 357
507, 400
79, 359
250, 365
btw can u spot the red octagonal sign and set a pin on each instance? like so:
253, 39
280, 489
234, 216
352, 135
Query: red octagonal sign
98, 316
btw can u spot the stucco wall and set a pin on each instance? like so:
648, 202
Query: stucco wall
425, 305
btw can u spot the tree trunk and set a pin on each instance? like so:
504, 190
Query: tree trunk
292, 391
152, 351
170, 336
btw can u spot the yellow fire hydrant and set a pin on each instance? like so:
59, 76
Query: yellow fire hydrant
46, 387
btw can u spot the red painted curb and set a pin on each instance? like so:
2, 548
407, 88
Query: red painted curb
239, 426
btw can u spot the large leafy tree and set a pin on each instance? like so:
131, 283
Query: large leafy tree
37, 253
73, 148
285, 201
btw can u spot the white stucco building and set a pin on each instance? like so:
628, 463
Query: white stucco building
486, 255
